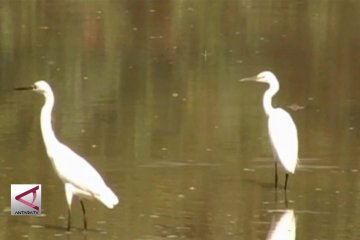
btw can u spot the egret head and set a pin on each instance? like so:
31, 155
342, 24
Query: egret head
265, 77
40, 86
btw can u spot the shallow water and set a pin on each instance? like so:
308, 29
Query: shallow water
148, 92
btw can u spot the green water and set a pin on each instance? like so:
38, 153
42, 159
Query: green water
148, 93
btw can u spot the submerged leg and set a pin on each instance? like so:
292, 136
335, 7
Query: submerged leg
84, 214
275, 196
276, 175
69, 221
286, 180
286, 200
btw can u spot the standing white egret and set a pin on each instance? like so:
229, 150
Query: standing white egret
79, 177
281, 127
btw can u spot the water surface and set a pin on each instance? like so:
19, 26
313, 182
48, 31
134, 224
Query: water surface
148, 92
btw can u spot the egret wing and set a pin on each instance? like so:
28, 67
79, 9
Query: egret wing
284, 139
74, 169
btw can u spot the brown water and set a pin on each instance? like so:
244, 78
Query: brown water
148, 92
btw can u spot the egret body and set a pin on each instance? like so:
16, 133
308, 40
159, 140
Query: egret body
80, 178
281, 128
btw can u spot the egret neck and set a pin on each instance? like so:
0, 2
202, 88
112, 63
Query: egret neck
46, 128
270, 92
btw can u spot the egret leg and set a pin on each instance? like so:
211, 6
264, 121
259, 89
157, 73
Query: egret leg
84, 214
69, 220
276, 175
69, 196
286, 180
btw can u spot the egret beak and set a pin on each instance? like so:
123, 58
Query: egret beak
24, 88
253, 78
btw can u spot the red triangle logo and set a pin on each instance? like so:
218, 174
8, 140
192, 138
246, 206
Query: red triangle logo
30, 204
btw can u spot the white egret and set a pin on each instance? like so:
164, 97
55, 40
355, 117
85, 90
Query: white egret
80, 178
281, 127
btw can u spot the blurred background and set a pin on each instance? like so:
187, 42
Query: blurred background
148, 93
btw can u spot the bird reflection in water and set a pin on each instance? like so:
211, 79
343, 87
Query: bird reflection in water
283, 225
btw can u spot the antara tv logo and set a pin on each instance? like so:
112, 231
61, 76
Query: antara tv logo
26, 199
